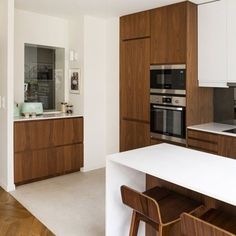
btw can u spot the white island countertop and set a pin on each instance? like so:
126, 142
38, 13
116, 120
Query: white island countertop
215, 128
208, 174
48, 116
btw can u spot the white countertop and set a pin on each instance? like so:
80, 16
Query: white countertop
204, 173
216, 128
47, 117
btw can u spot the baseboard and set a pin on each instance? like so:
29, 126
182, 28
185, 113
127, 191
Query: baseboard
8, 188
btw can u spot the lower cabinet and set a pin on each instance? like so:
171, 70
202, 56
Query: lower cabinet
134, 134
34, 161
227, 146
222, 145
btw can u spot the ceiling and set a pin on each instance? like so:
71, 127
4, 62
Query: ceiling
103, 8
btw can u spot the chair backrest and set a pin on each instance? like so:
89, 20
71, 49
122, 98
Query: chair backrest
192, 226
141, 203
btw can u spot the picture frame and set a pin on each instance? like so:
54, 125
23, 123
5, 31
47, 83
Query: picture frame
74, 77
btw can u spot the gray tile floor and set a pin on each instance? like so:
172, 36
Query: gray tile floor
70, 205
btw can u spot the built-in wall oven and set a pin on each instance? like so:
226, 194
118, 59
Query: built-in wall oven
168, 102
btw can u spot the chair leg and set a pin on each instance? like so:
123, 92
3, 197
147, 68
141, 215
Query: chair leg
134, 224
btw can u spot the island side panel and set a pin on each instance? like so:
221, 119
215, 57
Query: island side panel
118, 216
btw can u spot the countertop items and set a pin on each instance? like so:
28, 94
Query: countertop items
48, 116
216, 128
207, 174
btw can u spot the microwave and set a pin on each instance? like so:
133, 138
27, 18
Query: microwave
168, 79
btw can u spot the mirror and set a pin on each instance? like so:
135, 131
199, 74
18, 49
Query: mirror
44, 76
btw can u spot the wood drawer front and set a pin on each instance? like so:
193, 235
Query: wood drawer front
69, 158
40, 164
32, 135
203, 136
32, 165
67, 131
203, 146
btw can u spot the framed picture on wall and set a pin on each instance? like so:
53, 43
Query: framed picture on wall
74, 76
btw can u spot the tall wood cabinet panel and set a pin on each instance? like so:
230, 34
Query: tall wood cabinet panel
135, 26
134, 135
134, 82
47, 148
168, 34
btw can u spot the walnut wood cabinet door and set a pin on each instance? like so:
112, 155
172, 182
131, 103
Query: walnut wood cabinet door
33, 165
134, 79
168, 34
135, 26
68, 158
227, 146
67, 131
134, 135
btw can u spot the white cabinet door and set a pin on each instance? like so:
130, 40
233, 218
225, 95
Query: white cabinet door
212, 44
231, 41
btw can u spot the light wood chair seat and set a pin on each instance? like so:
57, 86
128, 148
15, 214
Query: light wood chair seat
213, 223
158, 207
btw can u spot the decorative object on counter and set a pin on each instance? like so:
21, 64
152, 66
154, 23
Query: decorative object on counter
30, 107
16, 110
26, 115
74, 75
63, 107
69, 109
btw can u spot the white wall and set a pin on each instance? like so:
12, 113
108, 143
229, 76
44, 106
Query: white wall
101, 89
76, 43
37, 29
6, 93
112, 86
94, 92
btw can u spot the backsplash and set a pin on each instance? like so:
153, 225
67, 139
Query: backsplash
225, 105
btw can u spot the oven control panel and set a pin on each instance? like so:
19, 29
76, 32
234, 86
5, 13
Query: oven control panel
168, 100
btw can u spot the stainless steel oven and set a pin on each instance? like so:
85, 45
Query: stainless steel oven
169, 79
168, 117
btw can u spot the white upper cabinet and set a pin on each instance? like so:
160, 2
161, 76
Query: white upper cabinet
231, 41
217, 43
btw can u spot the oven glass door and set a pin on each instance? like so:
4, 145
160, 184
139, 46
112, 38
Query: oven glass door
168, 79
169, 121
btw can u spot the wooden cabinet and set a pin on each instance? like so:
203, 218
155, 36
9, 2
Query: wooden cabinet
134, 135
134, 93
203, 141
135, 26
168, 34
227, 146
213, 143
47, 148
134, 79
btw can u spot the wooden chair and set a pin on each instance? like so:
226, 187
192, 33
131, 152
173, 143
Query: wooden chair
158, 207
212, 223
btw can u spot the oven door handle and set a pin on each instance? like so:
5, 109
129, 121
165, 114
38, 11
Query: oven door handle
169, 108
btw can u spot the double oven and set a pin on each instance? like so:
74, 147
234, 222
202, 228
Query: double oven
168, 102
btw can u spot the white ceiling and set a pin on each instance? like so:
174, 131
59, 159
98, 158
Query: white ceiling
103, 8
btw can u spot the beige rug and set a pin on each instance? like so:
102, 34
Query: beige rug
70, 205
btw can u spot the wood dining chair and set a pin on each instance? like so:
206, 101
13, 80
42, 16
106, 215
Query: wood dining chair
212, 223
159, 208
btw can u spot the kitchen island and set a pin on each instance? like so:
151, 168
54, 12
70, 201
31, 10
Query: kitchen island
207, 174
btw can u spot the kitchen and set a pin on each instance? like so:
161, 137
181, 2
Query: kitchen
176, 90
